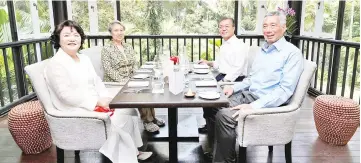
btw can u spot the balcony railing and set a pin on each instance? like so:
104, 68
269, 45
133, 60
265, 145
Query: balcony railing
16, 87
338, 66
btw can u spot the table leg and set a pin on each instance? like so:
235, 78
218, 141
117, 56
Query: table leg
172, 126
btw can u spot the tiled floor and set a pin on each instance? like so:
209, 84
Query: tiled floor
306, 146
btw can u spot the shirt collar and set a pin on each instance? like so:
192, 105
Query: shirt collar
277, 45
65, 55
230, 39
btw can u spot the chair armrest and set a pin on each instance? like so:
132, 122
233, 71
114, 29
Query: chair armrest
77, 114
78, 130
263, 111
267, 126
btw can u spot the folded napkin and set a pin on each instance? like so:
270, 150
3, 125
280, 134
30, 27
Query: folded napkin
144, 71
138, 84
104, 110
147, 66
200, 66
141, 76
208, 83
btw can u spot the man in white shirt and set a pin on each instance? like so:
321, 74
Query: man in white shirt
232, 66
231, 61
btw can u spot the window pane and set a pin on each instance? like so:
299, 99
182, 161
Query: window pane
272, 5
247, 16
174, 17
80, 13
330, 16
351, 22
44, 17
23, 17
105, 14
5, 34
310, 15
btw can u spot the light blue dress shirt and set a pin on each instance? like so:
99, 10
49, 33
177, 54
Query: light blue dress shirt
274, 75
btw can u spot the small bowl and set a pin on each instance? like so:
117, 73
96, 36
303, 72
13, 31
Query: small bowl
190, 95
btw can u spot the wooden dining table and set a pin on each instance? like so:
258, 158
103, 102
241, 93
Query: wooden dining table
132, 98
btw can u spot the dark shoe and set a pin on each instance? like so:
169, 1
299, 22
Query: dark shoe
203, 129
208, 157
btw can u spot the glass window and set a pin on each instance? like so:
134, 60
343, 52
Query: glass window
351, 22
80, 14
105, 14
174, 17
330, 16
44, 16
5, 34
310, 15
23, 17
247, 16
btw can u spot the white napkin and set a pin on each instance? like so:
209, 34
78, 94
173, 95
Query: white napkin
147, 66
138, 84
141, 76
208, 83
200, 66
144, 71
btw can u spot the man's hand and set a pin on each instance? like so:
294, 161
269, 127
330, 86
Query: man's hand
209, 63
242, 107
228, 91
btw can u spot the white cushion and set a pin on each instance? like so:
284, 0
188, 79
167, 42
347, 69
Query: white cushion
94, 53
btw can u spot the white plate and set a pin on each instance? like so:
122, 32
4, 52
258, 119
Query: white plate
200, 66
210, 95
201, 71
141, 76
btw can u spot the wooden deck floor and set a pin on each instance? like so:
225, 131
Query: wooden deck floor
306, 146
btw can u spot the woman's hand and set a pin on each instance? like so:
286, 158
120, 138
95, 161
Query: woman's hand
103, 102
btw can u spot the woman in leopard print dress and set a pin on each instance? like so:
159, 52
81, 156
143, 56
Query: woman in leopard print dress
119, 63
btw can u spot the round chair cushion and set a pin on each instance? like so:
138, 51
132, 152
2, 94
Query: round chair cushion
336, 118
29, 128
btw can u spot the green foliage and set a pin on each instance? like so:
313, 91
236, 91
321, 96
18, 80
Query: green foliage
291, 24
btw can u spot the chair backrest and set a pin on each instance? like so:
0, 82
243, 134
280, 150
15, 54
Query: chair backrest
252, 52
94, 53
309, 69
36, 74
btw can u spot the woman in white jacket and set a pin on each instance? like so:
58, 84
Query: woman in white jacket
74, 85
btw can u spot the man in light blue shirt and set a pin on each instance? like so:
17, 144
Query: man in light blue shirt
272, 81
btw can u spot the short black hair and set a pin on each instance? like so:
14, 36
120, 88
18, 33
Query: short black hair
55, 36
227, 18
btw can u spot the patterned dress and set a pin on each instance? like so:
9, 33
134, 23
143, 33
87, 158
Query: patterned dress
118, 65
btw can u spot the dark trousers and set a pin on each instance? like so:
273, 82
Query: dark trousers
221, 127
220, 76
